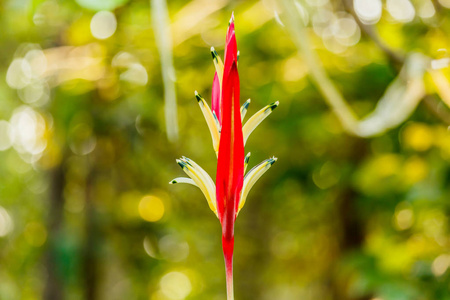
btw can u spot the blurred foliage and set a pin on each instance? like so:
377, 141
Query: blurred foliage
86, 211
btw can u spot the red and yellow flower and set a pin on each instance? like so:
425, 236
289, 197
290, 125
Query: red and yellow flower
227, 195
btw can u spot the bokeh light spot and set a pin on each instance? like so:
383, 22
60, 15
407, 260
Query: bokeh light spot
18, 74
401, 10
149, 247
326, 176
445, 3
82, 140
5, 138
35, 234
426, 10
136, 74
103, 25
415, 169
346, 31
37, 91
418, 136
440, 264
175, 285
368, 11
6, 223
404, 216
173, 249
28, 129
151, 208
294, 69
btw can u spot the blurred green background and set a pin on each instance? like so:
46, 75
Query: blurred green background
86, 211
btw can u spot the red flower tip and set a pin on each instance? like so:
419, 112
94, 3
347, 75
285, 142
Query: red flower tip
230, 43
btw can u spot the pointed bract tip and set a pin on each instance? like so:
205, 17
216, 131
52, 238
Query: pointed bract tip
214, 53
197, 96
274, 105
181, 163
273, 160
186, 160
247, 157
232, 17
172, 182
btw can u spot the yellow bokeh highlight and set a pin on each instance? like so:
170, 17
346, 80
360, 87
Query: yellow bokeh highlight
151, 208
35, 234
418, 136
386, 165
415, 169
404, 216
442, 141
79, 33
294, 69
128, 203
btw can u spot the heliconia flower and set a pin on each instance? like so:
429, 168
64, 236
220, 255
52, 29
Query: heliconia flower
228, 194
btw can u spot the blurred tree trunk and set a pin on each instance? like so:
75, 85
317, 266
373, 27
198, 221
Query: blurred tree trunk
90, 257
352, 226
54, 286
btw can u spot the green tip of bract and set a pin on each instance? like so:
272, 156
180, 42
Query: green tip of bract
181, 163
197, 96
247, 103
186, 160
274, 105
214, 54
172, 182
273, 160
247, 157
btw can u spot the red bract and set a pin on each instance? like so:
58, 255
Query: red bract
215, 98
227, 196
230, 166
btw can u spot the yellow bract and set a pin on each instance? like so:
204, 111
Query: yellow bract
256, 119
